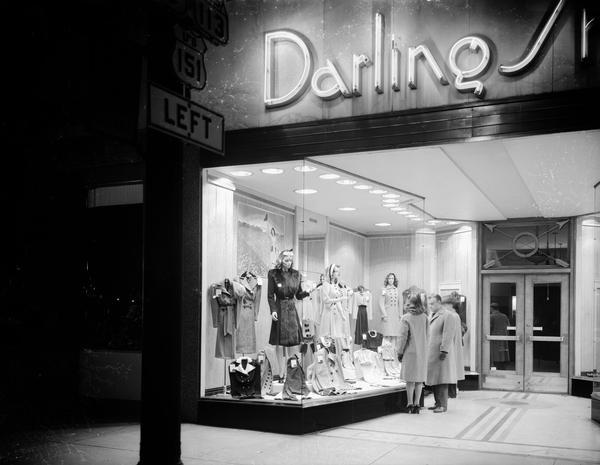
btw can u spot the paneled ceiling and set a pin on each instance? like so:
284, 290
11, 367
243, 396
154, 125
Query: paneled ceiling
539, 176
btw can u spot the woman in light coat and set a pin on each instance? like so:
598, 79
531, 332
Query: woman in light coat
441, 364
412, 344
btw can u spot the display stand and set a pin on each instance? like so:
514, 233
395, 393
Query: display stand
291, 417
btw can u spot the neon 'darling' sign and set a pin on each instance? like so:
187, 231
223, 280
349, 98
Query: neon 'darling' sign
464, 80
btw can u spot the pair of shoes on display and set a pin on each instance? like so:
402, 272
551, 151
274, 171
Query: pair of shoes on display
440, 409
433, 407
415, 409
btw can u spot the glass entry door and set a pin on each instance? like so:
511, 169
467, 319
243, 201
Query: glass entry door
525, 332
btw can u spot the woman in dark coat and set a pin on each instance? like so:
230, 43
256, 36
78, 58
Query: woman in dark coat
282, 291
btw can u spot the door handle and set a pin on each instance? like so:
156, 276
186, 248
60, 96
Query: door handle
538, 328
491, 337
546, 338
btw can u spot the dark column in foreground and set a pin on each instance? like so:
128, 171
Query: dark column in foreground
161, 356
160, 441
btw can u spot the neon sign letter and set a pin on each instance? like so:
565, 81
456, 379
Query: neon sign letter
270, 39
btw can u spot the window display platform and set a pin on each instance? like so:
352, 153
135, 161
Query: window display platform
300, 417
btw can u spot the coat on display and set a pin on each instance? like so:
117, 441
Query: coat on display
282, 290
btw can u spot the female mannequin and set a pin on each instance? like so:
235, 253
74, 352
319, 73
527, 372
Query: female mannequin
333, 315
362, 312
389, 304
283, 288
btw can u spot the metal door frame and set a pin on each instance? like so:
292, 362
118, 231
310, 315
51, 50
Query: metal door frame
521, 377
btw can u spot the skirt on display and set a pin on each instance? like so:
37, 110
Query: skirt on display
362, 325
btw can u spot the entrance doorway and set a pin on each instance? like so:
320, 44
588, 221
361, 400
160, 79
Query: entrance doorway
525, 332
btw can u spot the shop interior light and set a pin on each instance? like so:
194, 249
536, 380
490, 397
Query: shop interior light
329, 176
433, 221
391, 201
378, 191
347, 209
451, 222
363, 187
382, 225
415, 218
305, 191
224, 182
272, 170
403, 212
411, 215
346, 182
388, 205
305, 169
240, 173
391, 196
397, 208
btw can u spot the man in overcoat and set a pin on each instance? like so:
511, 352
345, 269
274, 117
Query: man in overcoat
441, 366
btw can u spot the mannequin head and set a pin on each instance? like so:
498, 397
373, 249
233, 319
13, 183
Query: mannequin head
360, 288
332, 273
285, 261
391, 280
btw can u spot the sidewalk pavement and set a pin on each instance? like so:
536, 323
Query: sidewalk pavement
480, 427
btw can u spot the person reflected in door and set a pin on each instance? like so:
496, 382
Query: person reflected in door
499, 355
441, 365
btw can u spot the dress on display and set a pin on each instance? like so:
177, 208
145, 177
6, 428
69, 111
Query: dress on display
334, 317
369, 366
283, 288
223, 302
362, 312
389, 303
248, 304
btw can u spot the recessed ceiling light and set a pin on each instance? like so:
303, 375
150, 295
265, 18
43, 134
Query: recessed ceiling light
329, 176
363, 187
346, 182
391, 196
272, 170
391, 201
451, 222
305, 191
346, 209
416, 218
433, 221
398, 209
403, 213
388, 205
305, 169
377, 191
412, 215
382, 225
240, 174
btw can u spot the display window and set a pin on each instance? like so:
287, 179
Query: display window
308, 269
